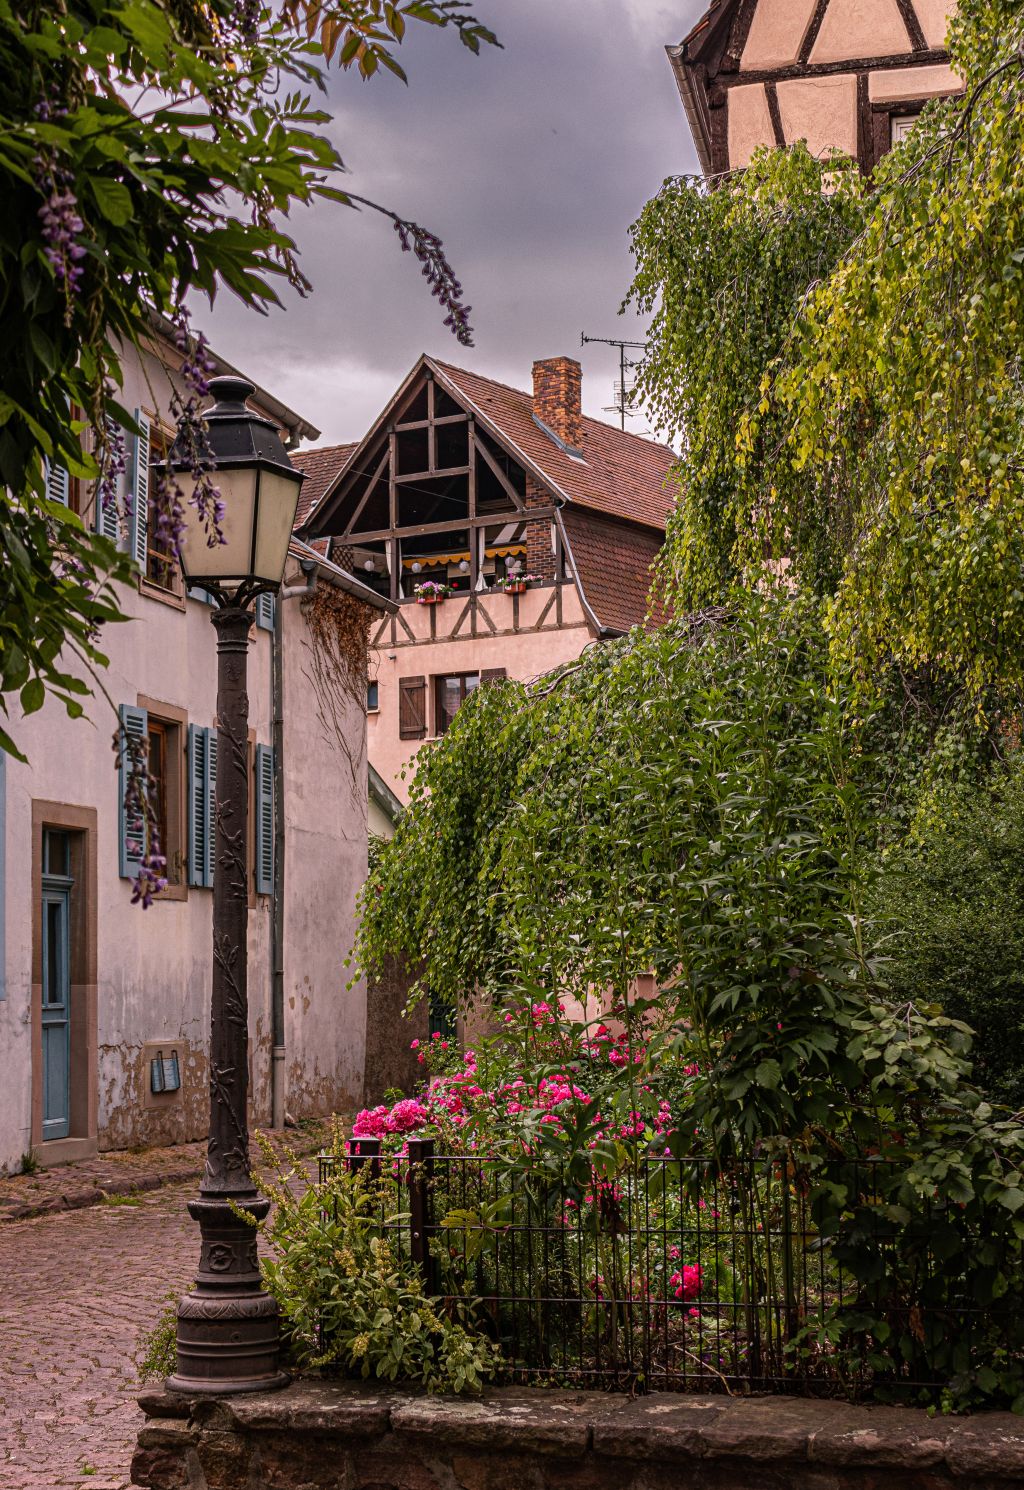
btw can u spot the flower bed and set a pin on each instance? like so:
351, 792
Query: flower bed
549, 1181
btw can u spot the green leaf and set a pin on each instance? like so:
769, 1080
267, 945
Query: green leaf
112, 198
33, 695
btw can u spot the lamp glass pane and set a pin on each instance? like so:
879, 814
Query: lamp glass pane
279, 497
231, 559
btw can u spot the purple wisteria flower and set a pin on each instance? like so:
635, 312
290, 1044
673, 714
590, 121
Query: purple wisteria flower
191, 439
133, 754
59, 216
113, 462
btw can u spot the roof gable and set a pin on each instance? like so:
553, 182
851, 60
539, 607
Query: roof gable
617, 473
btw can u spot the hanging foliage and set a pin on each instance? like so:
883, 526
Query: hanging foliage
724, 270
844, 371
698, 802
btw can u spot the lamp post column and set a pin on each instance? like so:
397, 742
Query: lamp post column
228, 1332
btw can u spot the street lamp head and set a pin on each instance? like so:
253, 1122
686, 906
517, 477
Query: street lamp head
259, 488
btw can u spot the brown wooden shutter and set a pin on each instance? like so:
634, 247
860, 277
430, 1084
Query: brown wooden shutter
412, 708
489, 674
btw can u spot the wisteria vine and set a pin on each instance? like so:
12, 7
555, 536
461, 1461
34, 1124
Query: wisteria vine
132, 755
59, 216
168, 514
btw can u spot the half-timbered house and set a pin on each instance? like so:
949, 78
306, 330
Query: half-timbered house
850, 75
475, 485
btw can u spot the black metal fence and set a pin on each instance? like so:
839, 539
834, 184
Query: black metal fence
677, 1277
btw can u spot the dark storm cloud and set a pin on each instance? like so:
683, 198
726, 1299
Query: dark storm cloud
530, 162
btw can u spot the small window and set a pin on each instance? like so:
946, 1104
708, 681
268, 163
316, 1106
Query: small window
56, 853
158, 765
167, 792
372, 696
902, 124
450, 692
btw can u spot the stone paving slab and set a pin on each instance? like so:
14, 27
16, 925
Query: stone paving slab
78, 1287
77, 1291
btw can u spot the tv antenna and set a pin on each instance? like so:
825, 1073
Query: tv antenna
622, 405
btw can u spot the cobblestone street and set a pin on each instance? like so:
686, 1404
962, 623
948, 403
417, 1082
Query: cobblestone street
76, 1290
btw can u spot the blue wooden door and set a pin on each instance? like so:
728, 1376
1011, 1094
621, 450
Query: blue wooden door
56, 1051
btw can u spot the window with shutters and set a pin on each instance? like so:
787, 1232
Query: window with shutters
412, 708
164, 728
266, 605
263, 801
161, 575
451, 691
58, 483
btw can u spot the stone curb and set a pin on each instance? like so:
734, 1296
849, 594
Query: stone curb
76, 1200
769, 1438
117, 1185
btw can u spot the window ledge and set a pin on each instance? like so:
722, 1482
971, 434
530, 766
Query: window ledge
173, 892
156, 592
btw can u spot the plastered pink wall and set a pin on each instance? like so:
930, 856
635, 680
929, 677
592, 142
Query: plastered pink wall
524, 656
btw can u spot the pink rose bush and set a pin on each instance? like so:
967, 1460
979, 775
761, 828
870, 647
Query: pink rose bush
529, 1097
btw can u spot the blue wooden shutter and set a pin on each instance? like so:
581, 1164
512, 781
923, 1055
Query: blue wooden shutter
131, 825
196, 805
56, 482
264, 820
202, 793
265, 611
211, 804
138, 527
196, 592
108, 519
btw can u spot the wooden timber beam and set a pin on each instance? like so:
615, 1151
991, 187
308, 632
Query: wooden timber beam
425, 530
369, 488
414, 424
506, 484
433, 475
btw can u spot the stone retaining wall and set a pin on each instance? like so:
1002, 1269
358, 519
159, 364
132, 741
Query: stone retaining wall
317, 1436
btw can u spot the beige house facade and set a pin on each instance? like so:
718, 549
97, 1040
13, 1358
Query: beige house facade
105, 1006
850, 75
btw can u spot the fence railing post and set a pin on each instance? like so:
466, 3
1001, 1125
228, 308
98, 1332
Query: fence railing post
363, 1151
421, 1208
791, 1316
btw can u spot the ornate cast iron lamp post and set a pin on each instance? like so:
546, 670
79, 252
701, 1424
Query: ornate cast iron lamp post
228, 1333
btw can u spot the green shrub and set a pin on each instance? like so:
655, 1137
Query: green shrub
954, 895
350, 1302
157, 1354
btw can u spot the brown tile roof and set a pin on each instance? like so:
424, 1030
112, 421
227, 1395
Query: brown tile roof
613, 562
707, 40
321, 467
621, 474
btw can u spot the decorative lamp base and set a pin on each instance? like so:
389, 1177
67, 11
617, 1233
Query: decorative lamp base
228, 1335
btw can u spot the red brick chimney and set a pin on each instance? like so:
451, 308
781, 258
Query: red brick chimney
557, 398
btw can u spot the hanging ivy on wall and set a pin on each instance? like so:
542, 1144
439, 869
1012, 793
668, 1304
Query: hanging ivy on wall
339, 631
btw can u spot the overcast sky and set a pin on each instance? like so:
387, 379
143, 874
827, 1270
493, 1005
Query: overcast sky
530, 162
